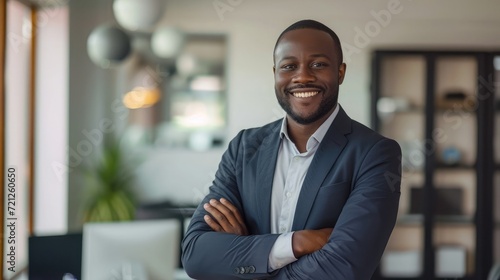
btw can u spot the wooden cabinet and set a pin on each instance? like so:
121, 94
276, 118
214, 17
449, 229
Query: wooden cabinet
440, 107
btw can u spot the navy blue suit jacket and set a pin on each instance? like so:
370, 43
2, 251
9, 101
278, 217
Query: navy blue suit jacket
352, 185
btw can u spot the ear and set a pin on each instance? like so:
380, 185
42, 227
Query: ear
342, 69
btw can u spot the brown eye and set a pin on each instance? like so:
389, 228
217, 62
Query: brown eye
288, 67
319, 65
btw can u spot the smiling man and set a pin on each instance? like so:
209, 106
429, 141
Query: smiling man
312, 196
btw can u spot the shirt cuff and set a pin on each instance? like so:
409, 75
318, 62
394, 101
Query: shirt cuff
282, 252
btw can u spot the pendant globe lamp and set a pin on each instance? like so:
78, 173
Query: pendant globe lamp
107, 45
138, 15
167, 42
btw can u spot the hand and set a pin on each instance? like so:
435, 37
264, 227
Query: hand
305, 242
224, 217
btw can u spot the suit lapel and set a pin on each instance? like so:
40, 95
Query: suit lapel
328, 151
266, 162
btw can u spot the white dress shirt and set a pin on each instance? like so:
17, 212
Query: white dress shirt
290, 171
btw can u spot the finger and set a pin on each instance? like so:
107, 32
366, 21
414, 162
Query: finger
219, 217
233, 209
211, 223
236, 214
224, 210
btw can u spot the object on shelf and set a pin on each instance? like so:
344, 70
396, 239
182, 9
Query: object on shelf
456, 100
448, 201
451, 156
389, 105
413, 154
401, 264
450, 261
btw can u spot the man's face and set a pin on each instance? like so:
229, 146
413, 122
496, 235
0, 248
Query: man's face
307, 75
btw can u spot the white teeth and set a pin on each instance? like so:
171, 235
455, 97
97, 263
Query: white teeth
305, 94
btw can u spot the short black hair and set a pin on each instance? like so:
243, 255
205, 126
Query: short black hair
312, 24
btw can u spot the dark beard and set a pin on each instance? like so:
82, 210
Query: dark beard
325, 106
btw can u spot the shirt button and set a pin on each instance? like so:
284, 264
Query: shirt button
288, 194
282, 229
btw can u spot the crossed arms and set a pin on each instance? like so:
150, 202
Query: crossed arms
221, 242
224, 217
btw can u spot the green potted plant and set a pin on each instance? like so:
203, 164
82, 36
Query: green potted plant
108, 183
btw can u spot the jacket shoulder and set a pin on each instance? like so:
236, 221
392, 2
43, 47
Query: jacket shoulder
249, 141
258, 134
370, 136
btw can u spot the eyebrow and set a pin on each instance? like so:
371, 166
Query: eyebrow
321, 55
312, 55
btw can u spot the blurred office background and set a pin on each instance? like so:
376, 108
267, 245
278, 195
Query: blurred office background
171, 82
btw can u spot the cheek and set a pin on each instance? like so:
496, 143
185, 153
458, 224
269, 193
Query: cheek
280, 81
329, 78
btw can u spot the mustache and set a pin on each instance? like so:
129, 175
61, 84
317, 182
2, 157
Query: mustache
304, 86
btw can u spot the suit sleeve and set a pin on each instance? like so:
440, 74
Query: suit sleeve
364, 225
213, 255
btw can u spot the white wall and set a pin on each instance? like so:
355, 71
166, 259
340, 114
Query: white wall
252, 28
91, 90
16, 135
51, 189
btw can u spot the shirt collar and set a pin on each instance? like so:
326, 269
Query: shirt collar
320, 133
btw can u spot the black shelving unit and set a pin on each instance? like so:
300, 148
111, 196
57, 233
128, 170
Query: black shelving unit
427, 66
496, 146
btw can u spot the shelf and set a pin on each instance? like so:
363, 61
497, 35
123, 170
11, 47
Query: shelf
458, 107
440, 110
412, 169
455, 166
401, 111
410, 220
458, 220
455, 111
418, 219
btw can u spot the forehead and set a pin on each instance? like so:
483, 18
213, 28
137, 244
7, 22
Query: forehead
306, 41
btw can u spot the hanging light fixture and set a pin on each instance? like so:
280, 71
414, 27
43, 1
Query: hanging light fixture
145, 89
108, 44
141, 97
167, 42
138, 15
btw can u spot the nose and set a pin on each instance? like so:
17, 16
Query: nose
303, 75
